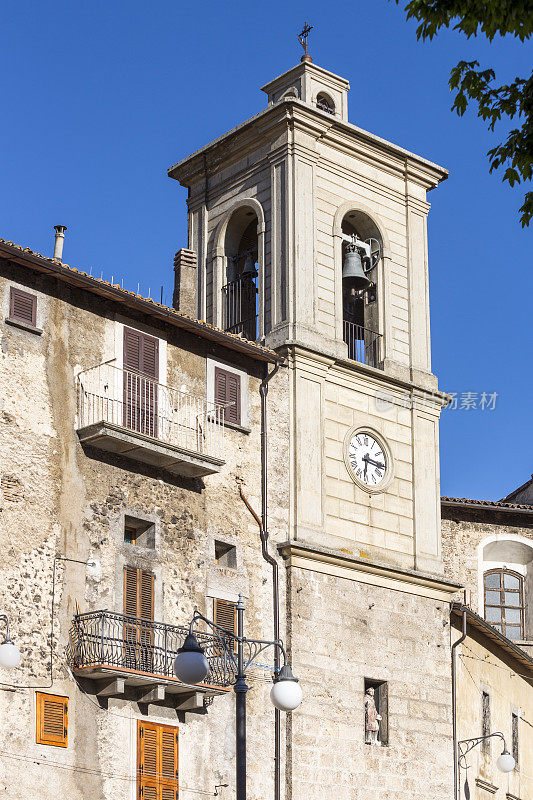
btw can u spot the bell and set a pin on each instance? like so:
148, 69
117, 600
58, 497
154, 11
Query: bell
249, 266
353, 276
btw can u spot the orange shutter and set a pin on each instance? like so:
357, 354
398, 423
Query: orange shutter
52, 719
157, 762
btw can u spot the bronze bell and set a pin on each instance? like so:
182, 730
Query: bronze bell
249, 266
353, 275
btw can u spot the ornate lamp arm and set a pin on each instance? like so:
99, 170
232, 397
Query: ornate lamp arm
466, 745
3, 618
256, 646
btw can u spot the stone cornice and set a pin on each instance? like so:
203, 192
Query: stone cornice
343, 565
344, 135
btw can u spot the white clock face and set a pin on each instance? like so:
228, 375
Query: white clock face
367, 459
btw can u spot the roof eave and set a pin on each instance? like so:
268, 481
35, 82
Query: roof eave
153, 309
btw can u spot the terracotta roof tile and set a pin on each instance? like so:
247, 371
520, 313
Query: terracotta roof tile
493, 503
127, 293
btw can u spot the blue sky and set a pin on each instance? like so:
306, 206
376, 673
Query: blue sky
99, 99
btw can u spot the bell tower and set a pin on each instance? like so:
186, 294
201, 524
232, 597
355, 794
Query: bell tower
311, 237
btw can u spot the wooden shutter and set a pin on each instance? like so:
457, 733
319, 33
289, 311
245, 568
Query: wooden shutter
138, 593
225, 615
141, 353
228, 390
22, 306
52, 719
157, 762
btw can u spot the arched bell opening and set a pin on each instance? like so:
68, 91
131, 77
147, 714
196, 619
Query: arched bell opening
240, 291
325, 103
361, 252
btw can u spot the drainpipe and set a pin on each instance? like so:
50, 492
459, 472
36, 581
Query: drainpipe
262, 524
454, 709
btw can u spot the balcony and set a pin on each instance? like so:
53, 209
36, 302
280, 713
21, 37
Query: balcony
126, 413
364, 345
240, 306
134, 657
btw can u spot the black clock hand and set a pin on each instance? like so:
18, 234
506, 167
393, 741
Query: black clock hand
369, 460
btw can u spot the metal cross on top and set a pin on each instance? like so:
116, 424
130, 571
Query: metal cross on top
302, 38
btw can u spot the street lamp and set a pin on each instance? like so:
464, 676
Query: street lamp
9, 653
505, 762
191, 666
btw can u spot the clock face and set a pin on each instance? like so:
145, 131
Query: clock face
368, 459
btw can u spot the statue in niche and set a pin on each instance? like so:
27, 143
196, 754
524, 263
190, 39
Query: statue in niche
372, 718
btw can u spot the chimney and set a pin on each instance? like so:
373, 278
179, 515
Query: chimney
184, 298
60, 238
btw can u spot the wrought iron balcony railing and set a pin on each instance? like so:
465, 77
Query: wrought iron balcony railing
364, 345
131, 401
105, 640
240, 306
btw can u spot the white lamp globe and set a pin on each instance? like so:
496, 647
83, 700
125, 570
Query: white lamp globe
506, 762
9, 655
286, 693
190, 665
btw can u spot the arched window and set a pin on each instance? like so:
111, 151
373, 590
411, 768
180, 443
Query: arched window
240, 298
504, 601
360, 307
325, 103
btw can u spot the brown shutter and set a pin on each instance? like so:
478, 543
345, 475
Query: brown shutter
225, 615
228, 390
52, 719
22, 306
141, 353
138, 593
157, 761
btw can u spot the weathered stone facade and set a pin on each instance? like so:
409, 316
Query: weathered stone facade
365, 585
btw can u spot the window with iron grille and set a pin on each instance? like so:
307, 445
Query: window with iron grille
504, 602
22, 307
485, 721
514, 738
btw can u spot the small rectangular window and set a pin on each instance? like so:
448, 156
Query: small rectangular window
22, 307
376, 706
225, 555
139, 532
514, 738
52, 719
228, 394
485, 721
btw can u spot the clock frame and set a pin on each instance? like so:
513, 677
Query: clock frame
389, 466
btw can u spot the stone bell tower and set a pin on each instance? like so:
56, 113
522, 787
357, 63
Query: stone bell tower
311, 237
272, 205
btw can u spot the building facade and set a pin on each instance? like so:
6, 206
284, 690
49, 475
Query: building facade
295, 368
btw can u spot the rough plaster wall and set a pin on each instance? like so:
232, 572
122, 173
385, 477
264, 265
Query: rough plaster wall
341, 632
73, 503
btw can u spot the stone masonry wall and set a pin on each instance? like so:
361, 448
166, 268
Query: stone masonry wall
61, 499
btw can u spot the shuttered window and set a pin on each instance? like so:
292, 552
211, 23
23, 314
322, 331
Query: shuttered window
138, 593
22, 306
157, 762
228, 390
225, 615
141, 373
52, 719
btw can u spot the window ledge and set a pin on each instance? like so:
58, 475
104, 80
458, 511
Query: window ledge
25, 326
234, 426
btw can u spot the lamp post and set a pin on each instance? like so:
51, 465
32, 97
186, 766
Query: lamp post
9, 653
505, 762
191, 666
